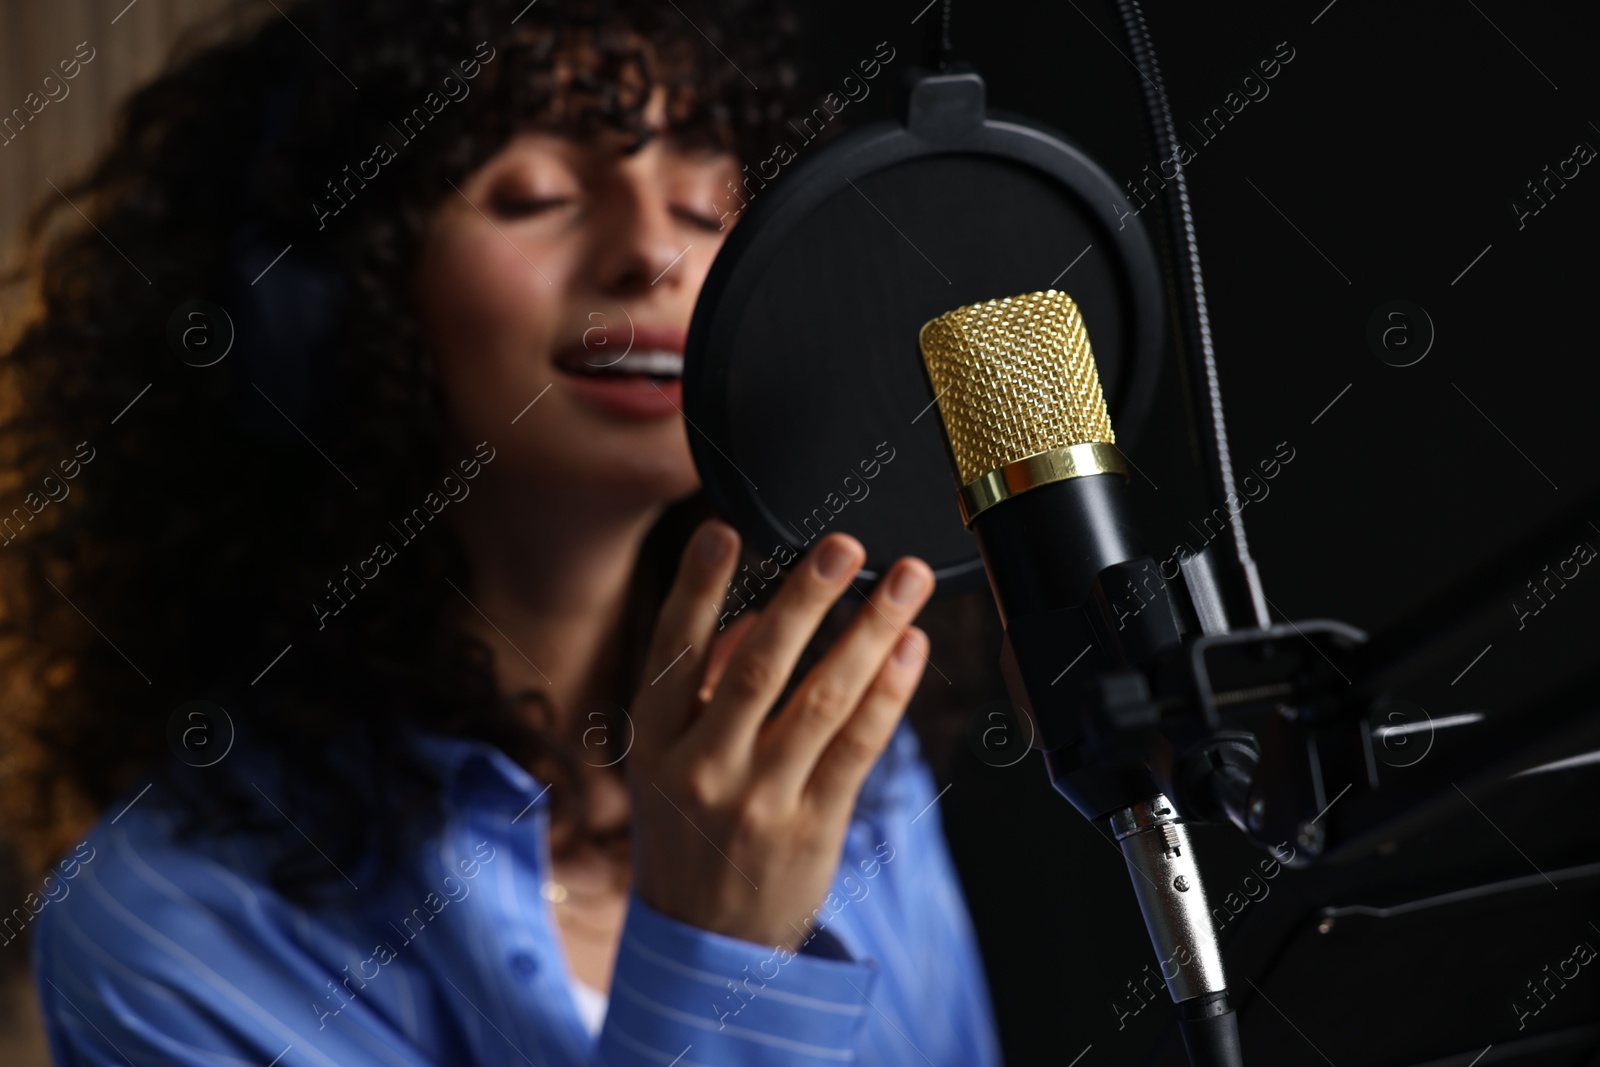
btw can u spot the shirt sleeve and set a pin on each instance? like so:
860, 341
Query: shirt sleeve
680, 991
155, 957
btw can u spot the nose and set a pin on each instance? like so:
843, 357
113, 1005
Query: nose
637, 241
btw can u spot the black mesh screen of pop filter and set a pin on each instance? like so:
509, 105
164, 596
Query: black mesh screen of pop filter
809, 411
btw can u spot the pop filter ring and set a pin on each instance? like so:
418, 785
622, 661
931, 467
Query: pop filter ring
939, 114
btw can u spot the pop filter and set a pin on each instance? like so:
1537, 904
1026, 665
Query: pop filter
803, 386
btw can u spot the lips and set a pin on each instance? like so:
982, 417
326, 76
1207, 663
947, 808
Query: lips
625, 369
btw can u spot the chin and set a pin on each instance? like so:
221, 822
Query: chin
663, 477
654, 483
643, 469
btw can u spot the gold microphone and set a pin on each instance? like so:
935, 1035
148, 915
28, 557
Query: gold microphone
1040, 486
1019, 395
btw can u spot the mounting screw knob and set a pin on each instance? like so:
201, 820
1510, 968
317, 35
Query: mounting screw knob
1311, 837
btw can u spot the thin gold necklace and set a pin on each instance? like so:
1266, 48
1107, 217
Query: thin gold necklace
558, 893
562, 895
565, 897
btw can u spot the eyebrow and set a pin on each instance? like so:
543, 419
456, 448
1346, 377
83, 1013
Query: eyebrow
613, 142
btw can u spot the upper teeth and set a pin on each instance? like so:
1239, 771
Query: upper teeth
640, 362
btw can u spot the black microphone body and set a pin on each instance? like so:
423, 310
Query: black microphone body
1044, 548
1088, 618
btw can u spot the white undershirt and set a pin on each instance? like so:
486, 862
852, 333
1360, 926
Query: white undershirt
591, 1004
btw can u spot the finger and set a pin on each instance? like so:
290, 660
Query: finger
722, 647
829, 694
760, 667
681, 641
836, 779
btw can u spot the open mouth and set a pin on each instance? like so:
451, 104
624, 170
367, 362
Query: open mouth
626, 370
657, 365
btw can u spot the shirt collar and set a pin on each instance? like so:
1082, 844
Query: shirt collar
468, 766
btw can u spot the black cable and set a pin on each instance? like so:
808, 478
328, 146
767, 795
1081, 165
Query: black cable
1194, 320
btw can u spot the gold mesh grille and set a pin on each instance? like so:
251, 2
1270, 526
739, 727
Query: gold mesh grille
1013, 377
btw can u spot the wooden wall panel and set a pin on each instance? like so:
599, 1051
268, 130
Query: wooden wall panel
131, 43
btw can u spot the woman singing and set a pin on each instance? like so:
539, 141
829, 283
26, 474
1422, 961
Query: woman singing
372, 694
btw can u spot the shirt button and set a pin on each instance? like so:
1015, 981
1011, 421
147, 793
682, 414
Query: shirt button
523, 965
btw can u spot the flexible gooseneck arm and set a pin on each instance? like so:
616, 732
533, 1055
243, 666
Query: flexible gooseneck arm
1240, 579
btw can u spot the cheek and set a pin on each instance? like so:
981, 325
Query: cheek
701, 265
488, 315
473, 291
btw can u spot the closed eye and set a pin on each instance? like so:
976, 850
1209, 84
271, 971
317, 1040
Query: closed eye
511, 206
698, 219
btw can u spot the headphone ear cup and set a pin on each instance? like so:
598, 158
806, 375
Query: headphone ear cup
285, 311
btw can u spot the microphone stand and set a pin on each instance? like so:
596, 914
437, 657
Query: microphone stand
1128, 738
1176, 720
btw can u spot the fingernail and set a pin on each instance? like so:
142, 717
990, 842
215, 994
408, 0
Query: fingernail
905, 653
711, 545
906, 584
835, 560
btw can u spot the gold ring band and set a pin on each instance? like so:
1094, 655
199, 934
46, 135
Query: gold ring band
1058, 464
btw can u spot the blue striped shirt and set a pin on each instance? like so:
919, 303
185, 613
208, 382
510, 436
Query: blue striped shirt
173, 951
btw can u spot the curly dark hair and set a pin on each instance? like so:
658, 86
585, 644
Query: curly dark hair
184, 559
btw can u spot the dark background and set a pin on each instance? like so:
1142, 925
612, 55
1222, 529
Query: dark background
1395, 141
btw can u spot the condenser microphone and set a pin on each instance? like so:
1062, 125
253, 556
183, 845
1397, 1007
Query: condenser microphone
1041, 488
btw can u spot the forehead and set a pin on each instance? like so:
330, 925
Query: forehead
607, 145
